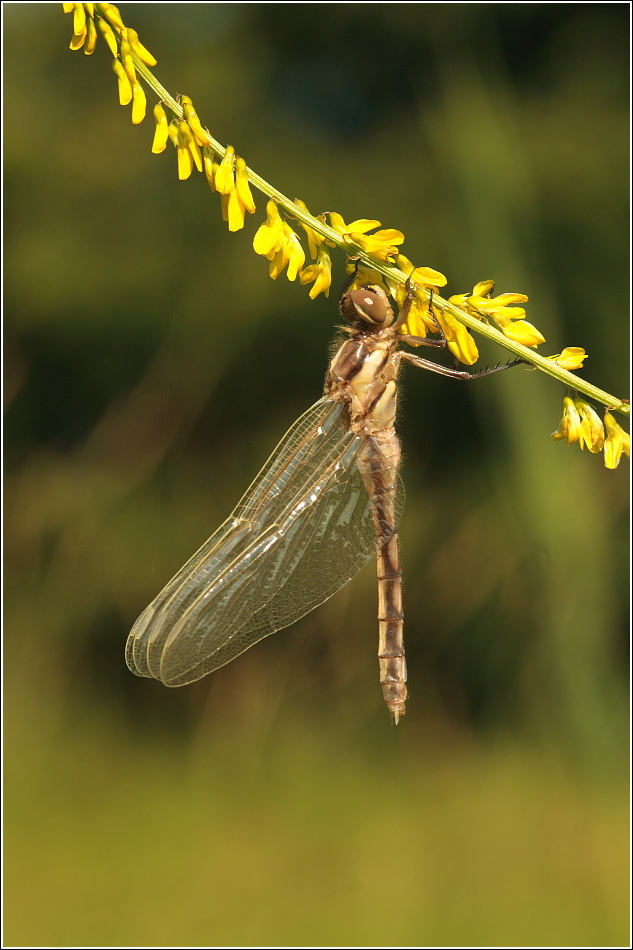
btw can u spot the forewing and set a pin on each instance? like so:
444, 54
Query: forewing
300, 532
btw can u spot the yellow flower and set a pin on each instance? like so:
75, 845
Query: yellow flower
187, 148
210, 166
269, 236
143, 54
571, 358
112, 13
225, 176
509, 319
617, 442
242, 185
239, 200
161, 133
139, 103
381, 244
78, 40
422, 276
591, 432
296, 254
125, 87
458, 339
360, 226
79, 19
569, 425
201, 135
233, 210
128, 62
320, 273
91, 37
314, 238
106, 31
521, 331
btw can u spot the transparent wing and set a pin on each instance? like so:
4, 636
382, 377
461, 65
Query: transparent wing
301, 531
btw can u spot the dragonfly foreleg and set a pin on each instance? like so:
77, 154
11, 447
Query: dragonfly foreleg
454, 373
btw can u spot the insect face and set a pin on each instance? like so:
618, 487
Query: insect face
367, 304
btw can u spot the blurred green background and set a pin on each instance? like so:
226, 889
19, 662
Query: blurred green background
151, 366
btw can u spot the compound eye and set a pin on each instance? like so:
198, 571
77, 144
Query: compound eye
369, 304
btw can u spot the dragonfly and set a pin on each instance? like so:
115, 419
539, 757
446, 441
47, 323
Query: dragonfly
328, 499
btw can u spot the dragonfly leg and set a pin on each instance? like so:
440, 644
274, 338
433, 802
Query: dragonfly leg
454, 373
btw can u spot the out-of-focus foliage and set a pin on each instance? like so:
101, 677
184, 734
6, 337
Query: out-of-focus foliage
151, 365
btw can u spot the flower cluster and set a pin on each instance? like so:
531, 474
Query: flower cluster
277, 241
582, 424
510, 320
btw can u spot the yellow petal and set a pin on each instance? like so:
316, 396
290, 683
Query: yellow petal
79, 19
235, 212
139, 103
591, 427
363, 225
128, 62
617, 442
572, 357
458, 339
278, 262
210, 167
483, 288
337, 223
125, 88
108, 35
187, 138
294, 250
161, 133
569, 425
91, 37
77, 40
201, 135
504, 299
225, 177
185, 163
112, 13
243, 186
459, 300
143, 54
428, 277
523, 332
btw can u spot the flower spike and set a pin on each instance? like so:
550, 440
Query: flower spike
376, 250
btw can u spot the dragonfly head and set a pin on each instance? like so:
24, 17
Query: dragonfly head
367, 304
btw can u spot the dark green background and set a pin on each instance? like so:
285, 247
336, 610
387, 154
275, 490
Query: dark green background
151, 365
